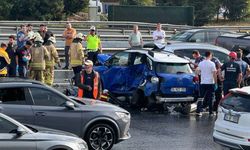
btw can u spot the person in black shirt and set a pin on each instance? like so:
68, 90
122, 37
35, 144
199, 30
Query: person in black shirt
88, 82
232, 75
22, 59
11, 50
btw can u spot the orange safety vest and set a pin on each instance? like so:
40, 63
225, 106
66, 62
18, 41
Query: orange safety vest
95, 89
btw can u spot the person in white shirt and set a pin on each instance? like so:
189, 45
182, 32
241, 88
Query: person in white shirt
135, 38
207, 71
159, 35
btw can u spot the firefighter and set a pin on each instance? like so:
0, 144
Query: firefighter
37, 63
88, 82
76, 54
50, 62
4, 60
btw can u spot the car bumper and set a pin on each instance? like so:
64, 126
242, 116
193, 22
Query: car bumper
125, 137
231, 141
160, 99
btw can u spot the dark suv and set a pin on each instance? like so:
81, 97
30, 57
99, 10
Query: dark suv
100, 124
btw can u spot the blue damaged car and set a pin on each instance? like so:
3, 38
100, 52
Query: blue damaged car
149, 78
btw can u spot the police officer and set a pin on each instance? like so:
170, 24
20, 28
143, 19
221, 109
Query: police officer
244, 66
37, 63
197, 58
88, 82
51, 60
93, 44
4, 60
232, 73
76, 54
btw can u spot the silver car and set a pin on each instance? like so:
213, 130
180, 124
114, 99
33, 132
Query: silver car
14, 135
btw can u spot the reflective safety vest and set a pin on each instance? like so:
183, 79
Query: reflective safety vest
38, 55
53, 56
93, 42
4, 61
95, 87
76, 54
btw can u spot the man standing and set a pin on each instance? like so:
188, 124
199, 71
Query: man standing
11, 50
4, 60
88, 82
22, 36
69, 34
47, 35
232, 74
37, 63
159, 35
30, 31
76, 54
207, 70
42, 31
197, 58
22, 59
50, 62
135, 38
243, 65
93, 44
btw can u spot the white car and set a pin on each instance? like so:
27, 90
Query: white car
232, 127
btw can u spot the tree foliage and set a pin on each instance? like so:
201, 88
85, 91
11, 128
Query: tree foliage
235, 9
137, 2
39, 9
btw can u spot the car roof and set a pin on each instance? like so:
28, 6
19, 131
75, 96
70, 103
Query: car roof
244, 90
235, 35
17, 80
186, 45
196, 30
160, 56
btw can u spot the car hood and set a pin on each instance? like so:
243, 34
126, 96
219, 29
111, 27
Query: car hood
97, 104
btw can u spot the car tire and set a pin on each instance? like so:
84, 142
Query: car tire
100, 136
185, 109
137, 100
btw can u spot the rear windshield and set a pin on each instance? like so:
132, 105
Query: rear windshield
173, 68
237, 102
182, 36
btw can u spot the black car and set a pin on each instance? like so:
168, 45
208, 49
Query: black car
100, 124
198, 35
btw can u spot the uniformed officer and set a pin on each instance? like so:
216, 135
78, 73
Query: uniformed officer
76, 54
244, 66
232, 73
50, 62
93, 44
37, 63
4, 60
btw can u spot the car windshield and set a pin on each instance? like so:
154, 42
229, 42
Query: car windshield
182, 36
173, 68
237, 102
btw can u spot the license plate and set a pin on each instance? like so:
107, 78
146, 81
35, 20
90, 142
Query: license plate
178, 89
231, 118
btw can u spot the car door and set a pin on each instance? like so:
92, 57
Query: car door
115, 77
198, 37
211, 36
16, 103
50, 111
10, 141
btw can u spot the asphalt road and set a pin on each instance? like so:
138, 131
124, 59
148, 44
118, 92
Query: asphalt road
154, 131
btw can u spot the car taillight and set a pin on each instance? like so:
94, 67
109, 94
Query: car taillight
226, 96
196, 79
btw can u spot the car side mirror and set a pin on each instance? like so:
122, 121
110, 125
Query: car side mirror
20, 132
69, 105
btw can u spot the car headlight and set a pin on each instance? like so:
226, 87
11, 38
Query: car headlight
82, 146
124, 116
154, 79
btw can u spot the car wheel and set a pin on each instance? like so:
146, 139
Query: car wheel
185, 109
100, 137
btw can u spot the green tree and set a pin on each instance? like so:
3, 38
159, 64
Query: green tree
171, 2
37, 10
137, 2
5, 9
235, 9
204, 10
73, 6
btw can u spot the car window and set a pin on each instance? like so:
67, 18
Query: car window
119, 59
6, 126
237, 102
212, 36
173, 68
198, 37
181, 36
13, 96
44, 97
221, 56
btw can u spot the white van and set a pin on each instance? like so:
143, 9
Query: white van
99, 4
